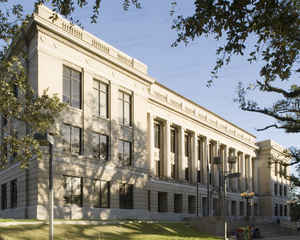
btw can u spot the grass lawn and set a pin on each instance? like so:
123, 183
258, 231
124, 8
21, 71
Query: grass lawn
127, 231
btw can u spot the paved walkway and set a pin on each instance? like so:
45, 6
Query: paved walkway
296, 237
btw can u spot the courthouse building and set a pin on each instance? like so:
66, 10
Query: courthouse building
131, 147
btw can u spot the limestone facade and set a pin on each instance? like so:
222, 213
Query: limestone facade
129, 146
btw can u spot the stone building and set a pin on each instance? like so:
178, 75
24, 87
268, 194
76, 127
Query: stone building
129, 146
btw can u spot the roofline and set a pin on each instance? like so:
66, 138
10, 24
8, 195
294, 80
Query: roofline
191, 101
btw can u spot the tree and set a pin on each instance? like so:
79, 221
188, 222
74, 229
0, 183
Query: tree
23, 113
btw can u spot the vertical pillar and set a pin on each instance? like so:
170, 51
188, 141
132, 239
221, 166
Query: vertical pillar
166, 159
151, 144
181, 156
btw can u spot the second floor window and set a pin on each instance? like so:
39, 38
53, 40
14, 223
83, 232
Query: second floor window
100, 146
157, 135
71, 87
187, 145
124, 108
101, 94
173, 140
125, 152
72, 139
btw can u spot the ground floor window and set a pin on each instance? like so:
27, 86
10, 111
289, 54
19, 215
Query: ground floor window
177, 203
126, 196
204, 206
73, 190
276, 210
162, 199
242, 209
101, 190
192, 204
14, 193
149, 200
233, 208
285, 210
4, 196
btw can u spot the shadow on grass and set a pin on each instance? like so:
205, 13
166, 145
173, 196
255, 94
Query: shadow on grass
128, 231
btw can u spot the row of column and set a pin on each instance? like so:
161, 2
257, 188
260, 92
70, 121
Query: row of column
243, 163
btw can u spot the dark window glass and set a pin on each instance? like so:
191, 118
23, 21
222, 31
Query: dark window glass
101, 94
187, 145
100, 146
285, 210
275, 189
276, 210
276, 168
173, 140
285, 190
149, 200
71, 87
125, 152
198, 176
3, 121
73, 190
158, 168
4, 196
187, 174
101, 190
126, 196
157, 135
178, 203
72, 139
124, 108
13, 194
173, 171
280, 190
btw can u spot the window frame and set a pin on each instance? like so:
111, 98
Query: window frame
99, 91
123, 142
100, 193
14, 193
99, 135
71, 94
126, 198
70, 143
4, 204
73, 195
122, 99
157, 135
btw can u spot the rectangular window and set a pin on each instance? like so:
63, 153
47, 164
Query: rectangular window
275, 189
100, 146
72, 87
126, 196
178, 203
276, 210
125, 152
187, 176
149, 199
280, 190
173, 140
4, 196
101, 190
285, 191
280, 170
233, 208
157, 135
14, 193
173, 171
124, 108
198, 176
73, 190
242, 209
285, 210
187, 145
276, 168
72, 139
162, 201
191, 204
101, 97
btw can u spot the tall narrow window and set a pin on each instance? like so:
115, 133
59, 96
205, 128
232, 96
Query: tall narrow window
73, 190
14, 193
125, 108
126, 196
100, 146
102, 191
72, 139
187, 145
157, 133
71, 87
101, 97
199, 165
275, 189
173, 140
276, 168
4, 196
125, 152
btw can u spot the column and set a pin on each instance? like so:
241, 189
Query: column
181, 154
151, 144
194, 158
166, 145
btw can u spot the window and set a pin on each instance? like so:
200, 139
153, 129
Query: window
173, 171
233, 208
276, 168
100, 146
4, 196
101, 94
73, 190
275, 189
125, 152
199, 167
173, 140
285, 210
13, 194
156, 135
191, 204
125, 108
187, 145
162, 201
280, 170
149, 200
198, 176
157, 167
72, 139
276, 210
280, 210
126, 196
241, 208
177, 203
102, 191
285, 191
186, 173
72, 87
280, 190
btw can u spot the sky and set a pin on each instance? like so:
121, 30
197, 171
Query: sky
146, 34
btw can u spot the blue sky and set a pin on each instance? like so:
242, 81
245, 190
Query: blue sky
146, 34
